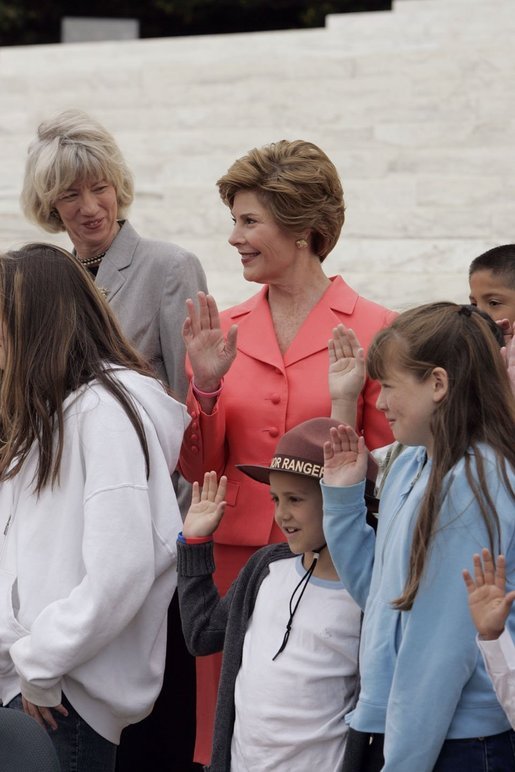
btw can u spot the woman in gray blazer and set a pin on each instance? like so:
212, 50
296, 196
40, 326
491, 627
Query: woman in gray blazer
76, 180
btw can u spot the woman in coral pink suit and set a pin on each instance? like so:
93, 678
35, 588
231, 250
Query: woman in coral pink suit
260, 368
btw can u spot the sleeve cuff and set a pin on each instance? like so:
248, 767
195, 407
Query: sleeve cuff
47, 698
342, 498
193, 539
195, 405
499, 653
195, 559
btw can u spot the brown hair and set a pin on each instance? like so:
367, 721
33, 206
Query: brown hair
59, 334
479, 407
298, 184
69, 147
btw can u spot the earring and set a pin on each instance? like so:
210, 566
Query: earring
301, 243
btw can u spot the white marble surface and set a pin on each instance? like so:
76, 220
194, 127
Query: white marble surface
415, 107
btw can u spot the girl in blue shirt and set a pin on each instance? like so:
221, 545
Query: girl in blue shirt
446, 393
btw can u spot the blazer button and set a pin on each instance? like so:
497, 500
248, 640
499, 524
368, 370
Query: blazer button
274, 431
275, 398
194, 449
194, 437
194, 425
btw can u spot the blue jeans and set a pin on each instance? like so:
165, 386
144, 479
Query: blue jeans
478, 754
78, 746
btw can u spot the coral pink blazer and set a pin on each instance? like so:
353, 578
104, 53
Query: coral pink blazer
266, 393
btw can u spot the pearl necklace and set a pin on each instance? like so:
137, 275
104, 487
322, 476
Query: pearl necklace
91, 261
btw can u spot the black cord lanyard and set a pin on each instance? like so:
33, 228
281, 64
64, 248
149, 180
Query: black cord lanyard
293, 608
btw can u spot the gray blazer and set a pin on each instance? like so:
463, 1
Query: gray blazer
147, 283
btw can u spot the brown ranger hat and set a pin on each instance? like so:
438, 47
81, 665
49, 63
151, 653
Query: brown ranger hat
299, 451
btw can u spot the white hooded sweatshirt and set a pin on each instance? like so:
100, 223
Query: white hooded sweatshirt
88, 567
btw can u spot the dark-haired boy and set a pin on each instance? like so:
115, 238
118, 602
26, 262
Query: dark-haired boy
492, 284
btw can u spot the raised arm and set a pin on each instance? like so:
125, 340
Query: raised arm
345, 458
346, 374
210, 353
207, 507
371, 421
350, 540
489, 603
203, 612
509, 356
490, 606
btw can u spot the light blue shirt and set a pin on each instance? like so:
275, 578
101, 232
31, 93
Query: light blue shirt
422, 677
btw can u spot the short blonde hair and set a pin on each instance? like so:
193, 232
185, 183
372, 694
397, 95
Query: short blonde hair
298, 184
71, 146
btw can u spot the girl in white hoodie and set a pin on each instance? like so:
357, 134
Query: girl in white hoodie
88, 515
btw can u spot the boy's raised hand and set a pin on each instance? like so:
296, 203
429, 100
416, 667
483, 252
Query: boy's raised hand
509, 355
488, 601
207, 507
345, 457
508, 329
346, 373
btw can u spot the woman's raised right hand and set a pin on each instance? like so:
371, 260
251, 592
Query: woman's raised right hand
210, 353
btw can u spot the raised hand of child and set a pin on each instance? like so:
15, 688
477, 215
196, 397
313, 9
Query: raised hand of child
207, 507
507, 329
509, 356
488, 601
345, 457
346, 374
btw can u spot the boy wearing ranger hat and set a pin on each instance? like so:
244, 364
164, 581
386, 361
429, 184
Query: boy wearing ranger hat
288, 629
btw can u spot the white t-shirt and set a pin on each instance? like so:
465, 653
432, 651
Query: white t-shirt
499, 657
290, 712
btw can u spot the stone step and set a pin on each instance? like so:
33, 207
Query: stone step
412, 81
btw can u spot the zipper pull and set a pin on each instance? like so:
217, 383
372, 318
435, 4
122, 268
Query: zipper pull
7, 525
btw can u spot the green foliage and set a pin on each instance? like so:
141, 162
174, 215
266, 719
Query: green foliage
24, 21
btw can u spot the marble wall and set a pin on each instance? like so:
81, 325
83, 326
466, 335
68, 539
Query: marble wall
414, 106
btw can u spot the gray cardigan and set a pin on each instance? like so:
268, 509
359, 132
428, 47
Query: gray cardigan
211, 623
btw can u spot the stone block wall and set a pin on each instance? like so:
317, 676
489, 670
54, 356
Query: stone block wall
414, 106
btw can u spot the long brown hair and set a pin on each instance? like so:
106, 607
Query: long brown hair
59, 334
479, 407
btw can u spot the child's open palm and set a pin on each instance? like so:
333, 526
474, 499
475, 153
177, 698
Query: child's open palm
345, 457
488, 601
207, 507
509, 356
346, 373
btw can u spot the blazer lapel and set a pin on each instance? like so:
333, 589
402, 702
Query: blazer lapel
110, 276
256, 334
317, 327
